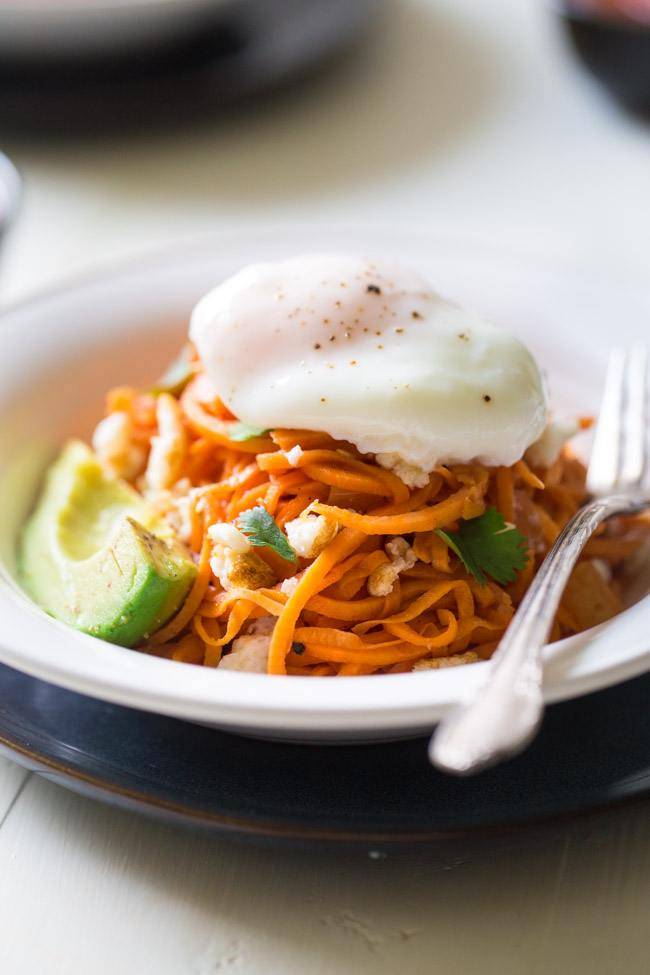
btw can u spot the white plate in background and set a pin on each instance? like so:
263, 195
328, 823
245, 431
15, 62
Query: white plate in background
63, 349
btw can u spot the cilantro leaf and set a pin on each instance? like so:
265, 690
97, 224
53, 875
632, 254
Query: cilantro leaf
261, 530
240, 431
487, 546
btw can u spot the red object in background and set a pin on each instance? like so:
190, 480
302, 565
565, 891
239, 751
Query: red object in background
636, 10
612, 38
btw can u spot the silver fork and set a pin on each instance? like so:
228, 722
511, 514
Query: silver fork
506, 712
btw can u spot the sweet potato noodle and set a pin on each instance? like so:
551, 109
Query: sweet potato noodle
327, 623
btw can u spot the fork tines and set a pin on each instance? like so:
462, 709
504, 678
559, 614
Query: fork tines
619, 459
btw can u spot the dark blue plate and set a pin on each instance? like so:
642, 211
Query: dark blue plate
591, 752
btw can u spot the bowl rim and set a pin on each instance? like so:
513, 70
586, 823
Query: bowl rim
240, 700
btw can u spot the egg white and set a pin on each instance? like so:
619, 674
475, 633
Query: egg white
368, 352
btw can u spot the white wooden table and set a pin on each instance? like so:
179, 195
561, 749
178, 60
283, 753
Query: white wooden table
459, 116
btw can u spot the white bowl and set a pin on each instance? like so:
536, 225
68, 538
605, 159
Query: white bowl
62, 350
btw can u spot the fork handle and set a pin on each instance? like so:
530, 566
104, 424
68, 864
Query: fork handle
505, 713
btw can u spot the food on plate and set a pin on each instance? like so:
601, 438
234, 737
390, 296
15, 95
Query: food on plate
342, 474
90, 555
369, 354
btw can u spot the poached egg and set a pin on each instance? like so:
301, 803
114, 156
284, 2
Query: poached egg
366, 351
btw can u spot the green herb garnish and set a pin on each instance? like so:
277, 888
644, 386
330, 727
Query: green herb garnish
262, 531
245, 431
488, 546
177, 375
298, 648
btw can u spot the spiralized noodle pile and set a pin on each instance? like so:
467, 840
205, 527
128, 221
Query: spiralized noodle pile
319, 614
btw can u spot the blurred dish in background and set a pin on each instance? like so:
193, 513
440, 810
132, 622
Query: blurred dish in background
55, 28
612, 37
636, 11
168, 69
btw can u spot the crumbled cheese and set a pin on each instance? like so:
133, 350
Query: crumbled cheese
545, 451
289, 586
412, 476
400, 550
179, 520
439, 663
262, 626
294, 455
112, 434
168, 446
249, 653
174, 506
113, 443
240, 570
223, 533
383, 578
309, 534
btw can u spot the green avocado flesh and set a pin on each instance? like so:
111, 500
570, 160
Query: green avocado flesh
89, 557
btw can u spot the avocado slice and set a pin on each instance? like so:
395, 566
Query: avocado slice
89, 555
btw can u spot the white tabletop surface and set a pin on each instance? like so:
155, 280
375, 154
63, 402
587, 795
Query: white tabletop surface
459, 116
